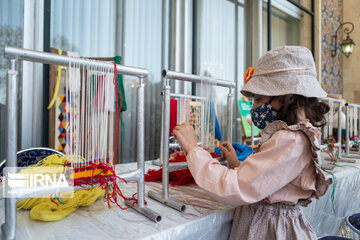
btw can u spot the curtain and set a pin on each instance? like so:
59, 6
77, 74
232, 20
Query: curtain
143, 48
132, 29
217, 50
84, 26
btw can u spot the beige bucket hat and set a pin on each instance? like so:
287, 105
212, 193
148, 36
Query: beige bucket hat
281, 71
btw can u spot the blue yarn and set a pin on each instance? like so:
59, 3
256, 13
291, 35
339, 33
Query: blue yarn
242, 151
217, 126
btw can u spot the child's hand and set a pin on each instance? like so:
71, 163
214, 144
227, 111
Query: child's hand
228, 153
185, 134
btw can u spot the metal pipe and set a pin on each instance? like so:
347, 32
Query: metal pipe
358, 126
350, 123
51, 58
332, 99
229, 115
177, 95
197, 79
269, 25
9, 227
347, 145
165, 150
144, 211
162, 134
358, 115
330, 114
348, 159
175, 145
339, 129
168, 202
140, 143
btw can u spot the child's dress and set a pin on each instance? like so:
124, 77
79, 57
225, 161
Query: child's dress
282, 175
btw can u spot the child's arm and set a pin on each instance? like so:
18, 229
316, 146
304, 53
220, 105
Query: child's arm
280, 160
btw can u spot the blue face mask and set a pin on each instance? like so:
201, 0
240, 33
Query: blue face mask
264, 115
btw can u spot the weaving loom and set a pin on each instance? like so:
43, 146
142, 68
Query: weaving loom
332, 146
352, 130
203, 121
91, 112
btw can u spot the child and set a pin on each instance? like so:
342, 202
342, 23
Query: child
283, 174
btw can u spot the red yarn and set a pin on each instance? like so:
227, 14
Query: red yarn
107, 182
118, 108
173, 115
180, 177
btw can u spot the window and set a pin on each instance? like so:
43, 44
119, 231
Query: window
11, 33
222, 53
131, 29
290, 25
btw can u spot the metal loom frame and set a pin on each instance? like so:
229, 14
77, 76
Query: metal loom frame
165, 127
9, 226
355, 107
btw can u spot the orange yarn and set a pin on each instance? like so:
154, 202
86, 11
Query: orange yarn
248, 74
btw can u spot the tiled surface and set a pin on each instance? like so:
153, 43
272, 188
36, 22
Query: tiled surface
332, 75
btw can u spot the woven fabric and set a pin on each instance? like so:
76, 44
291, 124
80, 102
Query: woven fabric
301, 82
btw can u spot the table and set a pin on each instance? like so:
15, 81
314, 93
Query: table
346, 201
204, 218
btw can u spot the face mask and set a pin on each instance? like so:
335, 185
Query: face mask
263, 115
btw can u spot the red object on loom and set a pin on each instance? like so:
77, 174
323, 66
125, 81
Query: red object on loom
181, 177
173, 115
108, 182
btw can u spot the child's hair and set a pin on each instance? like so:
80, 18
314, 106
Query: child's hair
314, 109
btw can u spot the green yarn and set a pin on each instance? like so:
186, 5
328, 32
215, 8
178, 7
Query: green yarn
117, 60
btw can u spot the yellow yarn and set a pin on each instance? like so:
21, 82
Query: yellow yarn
44, 209
57, 85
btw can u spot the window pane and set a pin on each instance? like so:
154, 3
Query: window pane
289, 25
11, 33
143, 48
102, 28
240, 74
217, 49
84, 26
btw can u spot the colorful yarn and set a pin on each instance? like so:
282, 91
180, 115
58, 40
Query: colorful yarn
57, 85
180, 177
356, 143
118, 106
332, 197
242, 151
87, 175
54, 209
120, 84
214, 117
334, 155
173, 115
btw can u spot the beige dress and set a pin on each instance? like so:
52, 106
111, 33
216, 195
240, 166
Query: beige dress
270, 185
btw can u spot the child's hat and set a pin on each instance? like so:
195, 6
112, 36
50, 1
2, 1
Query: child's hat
281, 71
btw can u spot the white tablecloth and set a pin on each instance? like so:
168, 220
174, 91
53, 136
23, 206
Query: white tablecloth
204, 217
346, 201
